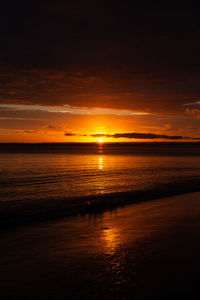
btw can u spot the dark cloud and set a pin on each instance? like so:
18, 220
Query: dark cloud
107, 89
194, 105
134, 135
193, 109
70, 134
29, 131
117, 54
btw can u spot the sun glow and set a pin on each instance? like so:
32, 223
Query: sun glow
100, 141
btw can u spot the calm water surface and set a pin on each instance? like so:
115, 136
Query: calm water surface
93, 171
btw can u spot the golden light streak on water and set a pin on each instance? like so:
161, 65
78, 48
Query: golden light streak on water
100, 162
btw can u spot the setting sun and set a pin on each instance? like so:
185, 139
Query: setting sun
100, 140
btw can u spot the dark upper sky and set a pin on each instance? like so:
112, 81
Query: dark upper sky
117, 54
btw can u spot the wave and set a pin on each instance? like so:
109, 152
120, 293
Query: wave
22, 212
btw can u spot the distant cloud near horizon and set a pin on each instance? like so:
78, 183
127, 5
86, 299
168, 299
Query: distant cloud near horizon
70, 134
135, 135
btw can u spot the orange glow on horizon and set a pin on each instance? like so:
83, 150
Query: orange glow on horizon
85, 129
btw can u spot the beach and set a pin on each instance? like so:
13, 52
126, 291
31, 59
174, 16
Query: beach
99, 150
148, 250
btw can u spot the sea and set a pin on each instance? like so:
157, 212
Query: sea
46, 181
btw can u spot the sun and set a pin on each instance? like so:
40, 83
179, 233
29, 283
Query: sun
100, 141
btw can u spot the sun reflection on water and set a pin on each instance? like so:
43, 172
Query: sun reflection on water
100, 162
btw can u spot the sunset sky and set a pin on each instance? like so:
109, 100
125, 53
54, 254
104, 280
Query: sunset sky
77, 71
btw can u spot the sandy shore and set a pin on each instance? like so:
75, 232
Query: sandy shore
147, 250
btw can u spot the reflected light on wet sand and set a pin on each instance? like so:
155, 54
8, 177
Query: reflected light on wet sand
131, 251
112, 238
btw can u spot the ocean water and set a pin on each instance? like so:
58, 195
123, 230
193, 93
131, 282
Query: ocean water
36, 178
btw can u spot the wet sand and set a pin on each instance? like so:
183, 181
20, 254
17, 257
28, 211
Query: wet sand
148, 250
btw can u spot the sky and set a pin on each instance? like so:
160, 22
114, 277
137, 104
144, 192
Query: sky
75, 71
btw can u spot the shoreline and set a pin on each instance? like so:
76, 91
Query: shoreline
144, 251
19, 213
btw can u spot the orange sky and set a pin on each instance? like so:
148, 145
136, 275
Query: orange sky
67, 124
70, 70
